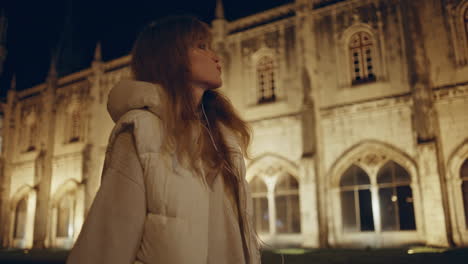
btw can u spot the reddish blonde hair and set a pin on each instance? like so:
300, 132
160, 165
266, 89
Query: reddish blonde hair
160, 56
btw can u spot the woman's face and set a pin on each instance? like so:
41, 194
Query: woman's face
205, 67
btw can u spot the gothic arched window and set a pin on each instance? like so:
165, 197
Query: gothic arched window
65, 216
75, 125
464, 178
29, 131
288, 216
361, 50
259, 192
395, 198
20, 218
32, 135
266, 80
356, 200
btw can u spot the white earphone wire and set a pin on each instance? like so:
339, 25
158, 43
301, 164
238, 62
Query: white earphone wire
228, 167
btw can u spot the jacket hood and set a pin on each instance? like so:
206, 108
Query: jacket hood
127, 95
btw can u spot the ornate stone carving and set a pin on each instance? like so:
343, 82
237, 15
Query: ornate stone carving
372, 159
272, 170
246, 22
401, 101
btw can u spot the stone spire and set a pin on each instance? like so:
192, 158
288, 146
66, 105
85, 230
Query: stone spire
219, 24
96, 78
97, 64
53, 67
98, 52
52, 76
219, 9
13, 83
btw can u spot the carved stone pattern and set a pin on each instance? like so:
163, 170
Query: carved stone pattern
272, 39
372, 159
349, 6
405, 100
80, 91
282, 122
29, 118
264, 16
249, 46
113, 77
30, 106
272, 170
445, 93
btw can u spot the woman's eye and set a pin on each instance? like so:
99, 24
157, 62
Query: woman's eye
203, 46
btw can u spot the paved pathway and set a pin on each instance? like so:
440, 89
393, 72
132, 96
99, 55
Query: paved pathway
418, 255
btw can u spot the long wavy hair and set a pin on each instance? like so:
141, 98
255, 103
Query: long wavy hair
160, 56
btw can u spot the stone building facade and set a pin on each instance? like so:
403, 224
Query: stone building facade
359, 110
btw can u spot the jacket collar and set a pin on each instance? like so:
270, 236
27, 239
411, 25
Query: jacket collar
127, 95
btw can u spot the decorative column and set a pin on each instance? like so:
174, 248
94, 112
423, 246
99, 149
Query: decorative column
429, 155
8, 141
43, 177
310, 227
308, 170
314, 185
435, 213
94, 105
219, 29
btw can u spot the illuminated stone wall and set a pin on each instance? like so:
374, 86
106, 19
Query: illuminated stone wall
320, 116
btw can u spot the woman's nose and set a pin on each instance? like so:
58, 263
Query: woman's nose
216, 57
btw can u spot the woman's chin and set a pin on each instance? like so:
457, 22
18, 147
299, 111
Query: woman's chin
216, 85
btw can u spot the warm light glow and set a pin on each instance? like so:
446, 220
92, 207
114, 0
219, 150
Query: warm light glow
70, 229
291, 251
419, 250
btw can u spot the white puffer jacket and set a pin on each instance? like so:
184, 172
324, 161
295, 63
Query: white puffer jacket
175, 227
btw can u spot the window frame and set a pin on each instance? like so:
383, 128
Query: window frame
71, 212
393, 185
458, 20
464, 180
75, 126
253, 98
260, 195
27, 139
261, 91
287, 193
363, 59
343, 55
73, 129
271, 183
22, 201
355, 188
374, 186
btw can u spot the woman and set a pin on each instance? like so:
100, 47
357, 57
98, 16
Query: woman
173, 188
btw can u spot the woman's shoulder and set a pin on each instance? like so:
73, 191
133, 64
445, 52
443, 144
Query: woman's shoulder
146, 127
139, 115
140, 118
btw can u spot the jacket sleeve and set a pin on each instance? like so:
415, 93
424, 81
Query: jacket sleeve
113, 228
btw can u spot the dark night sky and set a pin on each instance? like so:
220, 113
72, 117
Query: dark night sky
38, 28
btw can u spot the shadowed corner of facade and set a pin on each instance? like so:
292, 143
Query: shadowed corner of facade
358, 111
